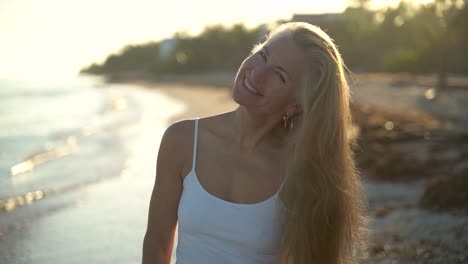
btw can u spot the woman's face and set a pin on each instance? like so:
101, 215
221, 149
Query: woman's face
267, 81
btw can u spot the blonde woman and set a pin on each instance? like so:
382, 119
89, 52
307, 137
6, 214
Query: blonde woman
273, 181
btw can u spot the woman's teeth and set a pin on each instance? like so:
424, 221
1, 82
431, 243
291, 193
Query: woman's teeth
250, 86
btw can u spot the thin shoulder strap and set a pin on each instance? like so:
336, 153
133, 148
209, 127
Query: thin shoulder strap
282, 182
195, 139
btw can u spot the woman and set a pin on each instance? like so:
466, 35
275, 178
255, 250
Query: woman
273, 181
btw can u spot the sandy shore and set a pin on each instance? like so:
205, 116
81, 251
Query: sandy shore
200, 100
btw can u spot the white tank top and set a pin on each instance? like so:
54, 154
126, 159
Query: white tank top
213, 230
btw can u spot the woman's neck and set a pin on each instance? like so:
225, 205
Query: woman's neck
253, 132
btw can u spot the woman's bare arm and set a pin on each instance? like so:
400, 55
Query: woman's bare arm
162, 216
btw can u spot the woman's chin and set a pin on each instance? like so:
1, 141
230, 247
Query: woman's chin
236, 97
239, 97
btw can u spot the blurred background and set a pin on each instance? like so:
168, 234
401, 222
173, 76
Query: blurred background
87, 89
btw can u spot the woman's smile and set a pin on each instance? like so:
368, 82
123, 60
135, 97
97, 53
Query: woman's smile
250, 87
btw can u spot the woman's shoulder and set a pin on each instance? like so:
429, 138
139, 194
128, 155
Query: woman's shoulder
182, 128
176, 143
178, 134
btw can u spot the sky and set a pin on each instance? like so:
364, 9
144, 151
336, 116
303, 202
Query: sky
56, 38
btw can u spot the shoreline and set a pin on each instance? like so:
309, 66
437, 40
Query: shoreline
115, 206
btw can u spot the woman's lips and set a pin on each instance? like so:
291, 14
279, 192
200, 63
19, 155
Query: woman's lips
249, 87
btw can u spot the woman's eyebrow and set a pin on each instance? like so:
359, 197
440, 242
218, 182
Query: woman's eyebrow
278, 67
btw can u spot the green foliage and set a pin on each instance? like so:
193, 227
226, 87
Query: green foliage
411, 38
217, 48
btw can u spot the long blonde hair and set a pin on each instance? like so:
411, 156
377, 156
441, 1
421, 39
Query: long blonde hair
323, 193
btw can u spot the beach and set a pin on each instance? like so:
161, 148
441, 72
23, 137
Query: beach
102, 219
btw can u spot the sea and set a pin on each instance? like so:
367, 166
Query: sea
77, 163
